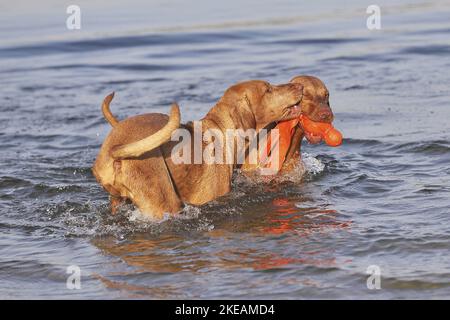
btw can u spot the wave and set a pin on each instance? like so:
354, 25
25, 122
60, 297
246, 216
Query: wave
121, 42
434, 147
428, 50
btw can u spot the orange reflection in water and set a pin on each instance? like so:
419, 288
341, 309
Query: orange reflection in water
288, 217
225, 248
274, 261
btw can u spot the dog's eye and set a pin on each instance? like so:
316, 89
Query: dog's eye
269, 89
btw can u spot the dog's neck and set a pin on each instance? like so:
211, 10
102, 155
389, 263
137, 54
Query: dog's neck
223, 117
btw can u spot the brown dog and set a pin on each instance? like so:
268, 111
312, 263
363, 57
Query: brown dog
135, 160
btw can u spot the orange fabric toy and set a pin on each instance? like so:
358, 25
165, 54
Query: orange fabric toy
326, 131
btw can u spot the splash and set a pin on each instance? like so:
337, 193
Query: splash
308, 165
312, 165
189, 212
190, 218
137, 216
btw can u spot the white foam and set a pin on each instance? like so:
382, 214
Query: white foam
312, 165
188, 212
137, 216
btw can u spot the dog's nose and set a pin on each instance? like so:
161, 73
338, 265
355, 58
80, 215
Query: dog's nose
325, 115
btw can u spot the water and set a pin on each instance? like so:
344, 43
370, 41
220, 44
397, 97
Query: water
381, 199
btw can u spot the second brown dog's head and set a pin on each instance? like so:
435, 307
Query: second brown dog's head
315, 103
266, 103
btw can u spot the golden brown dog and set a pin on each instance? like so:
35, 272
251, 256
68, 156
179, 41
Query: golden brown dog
135, 160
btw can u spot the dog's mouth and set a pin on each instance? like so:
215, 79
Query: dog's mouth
311, 137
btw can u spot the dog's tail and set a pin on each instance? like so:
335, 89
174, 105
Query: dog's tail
138, 148
106, 112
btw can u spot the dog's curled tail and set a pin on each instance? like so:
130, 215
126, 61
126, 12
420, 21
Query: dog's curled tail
138, 148
106, 112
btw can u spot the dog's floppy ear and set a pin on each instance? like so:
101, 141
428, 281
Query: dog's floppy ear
250, 90
299, 81
242, 113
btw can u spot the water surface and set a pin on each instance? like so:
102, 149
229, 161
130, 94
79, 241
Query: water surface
380, 199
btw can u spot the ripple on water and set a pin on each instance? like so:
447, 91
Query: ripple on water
381, 198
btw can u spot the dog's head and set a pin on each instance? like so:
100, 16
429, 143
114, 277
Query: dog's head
315, 103
266, 102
